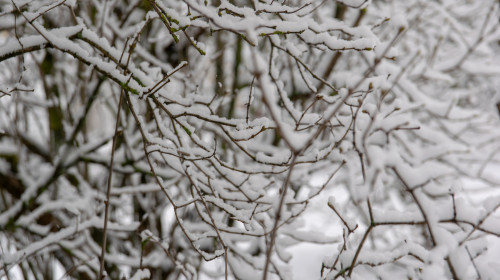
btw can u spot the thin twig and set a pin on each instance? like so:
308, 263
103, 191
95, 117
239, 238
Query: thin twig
106, 202
277, 217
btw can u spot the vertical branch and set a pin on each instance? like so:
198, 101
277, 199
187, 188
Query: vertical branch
108, 190
277, 218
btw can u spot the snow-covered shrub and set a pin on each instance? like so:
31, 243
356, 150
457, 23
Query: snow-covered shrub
205, 139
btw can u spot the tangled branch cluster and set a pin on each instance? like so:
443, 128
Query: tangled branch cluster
164, 138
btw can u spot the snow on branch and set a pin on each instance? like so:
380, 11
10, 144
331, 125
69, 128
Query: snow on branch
249, 139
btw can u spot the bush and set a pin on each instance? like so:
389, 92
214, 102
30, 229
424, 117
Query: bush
186, 139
